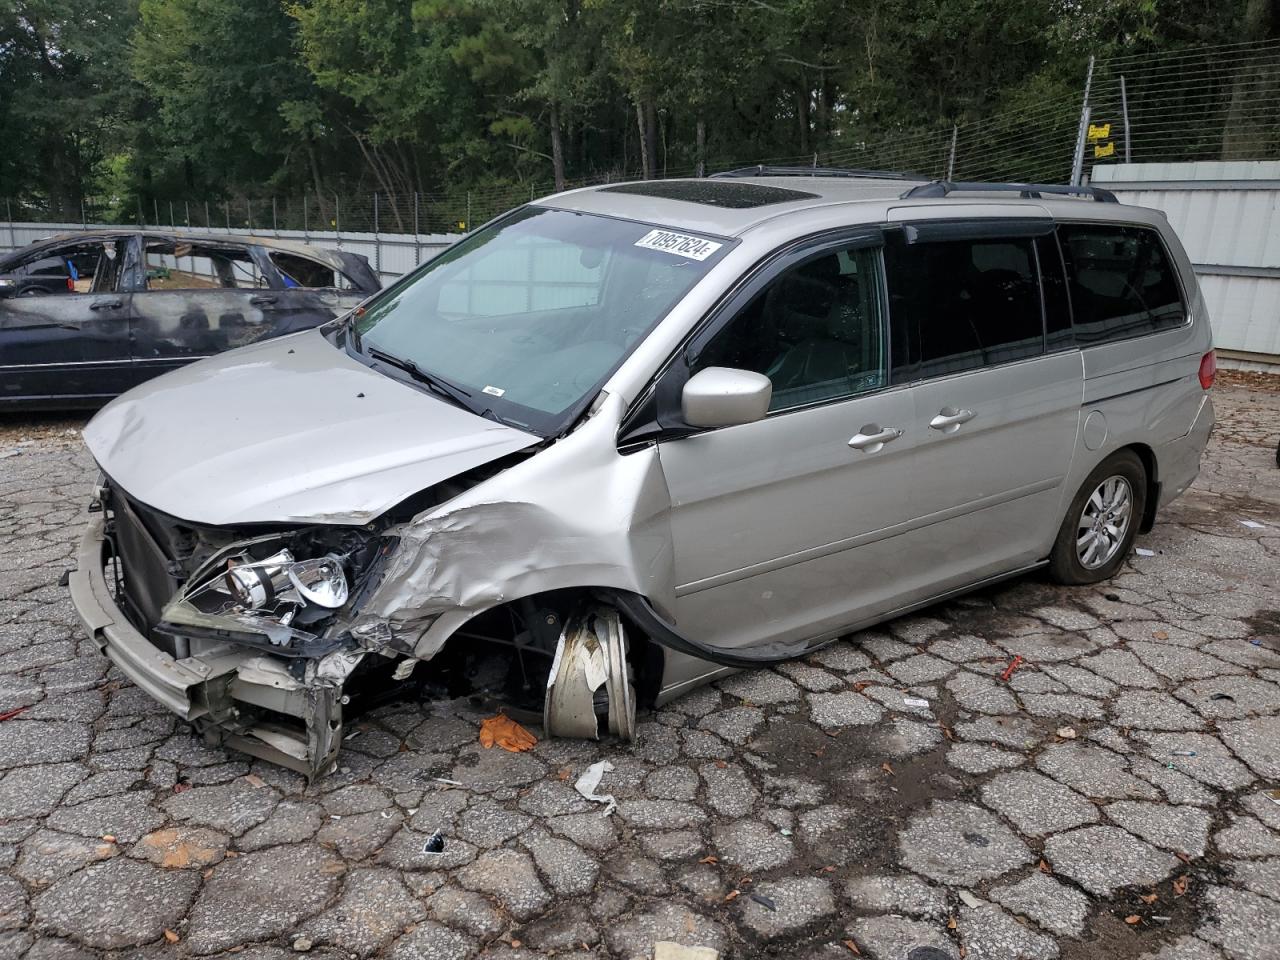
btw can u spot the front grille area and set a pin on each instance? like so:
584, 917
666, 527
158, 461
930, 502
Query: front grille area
140, 573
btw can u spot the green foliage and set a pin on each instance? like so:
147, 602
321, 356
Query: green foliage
217, 98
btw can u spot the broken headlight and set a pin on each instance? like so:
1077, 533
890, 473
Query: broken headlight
258, 590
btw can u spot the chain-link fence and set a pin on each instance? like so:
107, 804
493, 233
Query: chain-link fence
1208, 103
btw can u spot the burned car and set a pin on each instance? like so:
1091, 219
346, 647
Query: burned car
626, 439
86, 316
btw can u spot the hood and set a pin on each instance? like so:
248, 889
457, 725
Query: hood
289, 430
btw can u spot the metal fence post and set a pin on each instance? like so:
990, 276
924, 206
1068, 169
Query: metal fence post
186, 213
377, 238
417, 239
248, 213
8, 209
142, 217
468, 229
337, 221
155, 210
226, 209
171, 223
1124, 112
1082, 132
951, 160
304, 216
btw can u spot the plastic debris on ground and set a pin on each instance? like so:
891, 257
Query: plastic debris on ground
915, 701
1067, 733
10, 714
1253, 524
969, 900
1144, 552
669, 950
766, 902
1013, 665
504, 732
1272, 795
434, 844
589, 783
1184, 753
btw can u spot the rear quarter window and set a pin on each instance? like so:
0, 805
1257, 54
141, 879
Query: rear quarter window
1121, 280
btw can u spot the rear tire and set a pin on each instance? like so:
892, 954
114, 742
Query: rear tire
1102, 521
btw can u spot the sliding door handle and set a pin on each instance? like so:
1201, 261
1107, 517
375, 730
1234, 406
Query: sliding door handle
872, 437
949, 419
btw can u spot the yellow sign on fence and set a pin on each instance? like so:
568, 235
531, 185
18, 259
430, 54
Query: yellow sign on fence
1099, 131
1101, 150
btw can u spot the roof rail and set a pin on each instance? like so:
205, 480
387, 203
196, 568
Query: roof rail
1032, 191
765, 170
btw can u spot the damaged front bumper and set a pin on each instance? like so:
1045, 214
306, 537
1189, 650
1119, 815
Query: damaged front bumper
244, 698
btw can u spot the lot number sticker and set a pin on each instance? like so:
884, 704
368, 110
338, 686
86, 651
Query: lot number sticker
681, 244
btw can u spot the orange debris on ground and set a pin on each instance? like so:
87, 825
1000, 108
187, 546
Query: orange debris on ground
504, 732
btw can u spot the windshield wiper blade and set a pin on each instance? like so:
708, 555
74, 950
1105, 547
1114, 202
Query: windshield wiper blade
437, 384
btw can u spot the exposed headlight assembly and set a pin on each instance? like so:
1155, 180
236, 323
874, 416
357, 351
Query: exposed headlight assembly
259, 589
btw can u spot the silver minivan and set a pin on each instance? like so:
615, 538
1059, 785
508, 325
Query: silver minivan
626, 439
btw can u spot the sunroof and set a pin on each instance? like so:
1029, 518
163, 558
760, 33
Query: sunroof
714, 193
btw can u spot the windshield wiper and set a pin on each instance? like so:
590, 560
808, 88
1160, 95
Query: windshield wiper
437, 384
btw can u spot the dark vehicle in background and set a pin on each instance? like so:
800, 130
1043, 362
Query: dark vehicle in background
86, 316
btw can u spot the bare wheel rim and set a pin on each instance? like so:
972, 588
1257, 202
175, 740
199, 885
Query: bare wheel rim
1103, 523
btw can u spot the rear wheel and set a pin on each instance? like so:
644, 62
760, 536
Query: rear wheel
1101, 522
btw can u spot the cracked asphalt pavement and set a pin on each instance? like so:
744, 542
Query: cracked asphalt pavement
1114, 798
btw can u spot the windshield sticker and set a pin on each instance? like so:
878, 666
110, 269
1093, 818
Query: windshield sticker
681, 244
493, 391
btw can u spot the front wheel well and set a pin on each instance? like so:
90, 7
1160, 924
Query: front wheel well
538, 621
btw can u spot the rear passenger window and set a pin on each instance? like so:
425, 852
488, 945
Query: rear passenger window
959, 305
296, 271
183, 265
1122, 282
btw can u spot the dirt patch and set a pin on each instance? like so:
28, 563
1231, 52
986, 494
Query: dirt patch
1250, 380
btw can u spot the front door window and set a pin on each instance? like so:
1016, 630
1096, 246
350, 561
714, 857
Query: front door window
815, 331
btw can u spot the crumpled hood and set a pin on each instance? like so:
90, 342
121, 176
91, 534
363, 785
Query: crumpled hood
289, 430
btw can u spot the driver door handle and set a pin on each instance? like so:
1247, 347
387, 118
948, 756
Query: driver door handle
949, 419
872, 437
106, 304
259, 301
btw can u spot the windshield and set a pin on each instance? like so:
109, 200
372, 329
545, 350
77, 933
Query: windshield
525, 319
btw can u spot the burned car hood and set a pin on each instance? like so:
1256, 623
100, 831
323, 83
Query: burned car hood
289, 430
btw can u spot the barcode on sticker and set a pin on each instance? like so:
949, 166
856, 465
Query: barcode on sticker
494, 391
681, 244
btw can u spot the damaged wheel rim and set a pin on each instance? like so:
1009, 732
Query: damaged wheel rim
592, 653
1104, 522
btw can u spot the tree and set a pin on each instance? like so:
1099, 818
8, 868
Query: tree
64, 97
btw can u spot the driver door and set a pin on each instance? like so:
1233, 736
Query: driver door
784, 529
71, 346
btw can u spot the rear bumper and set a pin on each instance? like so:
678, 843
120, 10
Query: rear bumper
243, 698
1178, 461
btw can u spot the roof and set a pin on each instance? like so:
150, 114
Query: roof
338, 259
674, 205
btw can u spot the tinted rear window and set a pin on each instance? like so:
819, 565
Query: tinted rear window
1121, 280
962, 304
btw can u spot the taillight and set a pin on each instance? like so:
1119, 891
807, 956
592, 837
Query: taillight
71, 285
1208, 369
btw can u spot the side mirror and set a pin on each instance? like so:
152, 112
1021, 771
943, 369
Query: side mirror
724, 397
